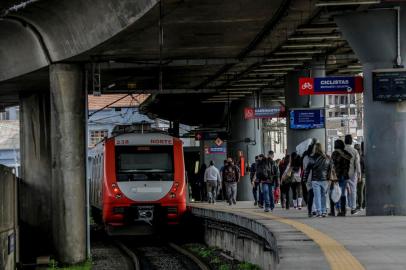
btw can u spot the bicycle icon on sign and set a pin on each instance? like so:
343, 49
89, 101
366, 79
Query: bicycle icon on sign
307, 86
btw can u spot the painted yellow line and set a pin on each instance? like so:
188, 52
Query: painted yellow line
336, 254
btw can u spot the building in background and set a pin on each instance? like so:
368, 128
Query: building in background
344, 114
107, 111
274, 136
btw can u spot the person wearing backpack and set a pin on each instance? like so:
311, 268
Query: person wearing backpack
320, 167
341, 160
231, 176
262, 173
296, 165
269, 180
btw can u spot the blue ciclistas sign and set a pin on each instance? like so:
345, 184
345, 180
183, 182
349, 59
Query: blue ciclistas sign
330, 85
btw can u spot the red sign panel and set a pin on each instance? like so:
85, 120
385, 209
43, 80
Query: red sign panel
249, 113
271, 112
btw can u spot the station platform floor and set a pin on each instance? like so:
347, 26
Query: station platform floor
339, 243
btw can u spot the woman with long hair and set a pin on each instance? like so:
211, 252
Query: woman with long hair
291, 180
296, 165
320, 166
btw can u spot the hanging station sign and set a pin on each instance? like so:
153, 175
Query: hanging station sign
330, 85
389, 84
269, 112
208, 136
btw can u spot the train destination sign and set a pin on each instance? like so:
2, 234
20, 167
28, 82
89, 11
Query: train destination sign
269, 112
330, 85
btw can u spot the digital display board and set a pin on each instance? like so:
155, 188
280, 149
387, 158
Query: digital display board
389, 85
307, 118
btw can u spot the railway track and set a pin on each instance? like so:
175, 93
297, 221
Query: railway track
159, 255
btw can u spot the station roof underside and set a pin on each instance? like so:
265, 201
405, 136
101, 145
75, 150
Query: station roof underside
213, 52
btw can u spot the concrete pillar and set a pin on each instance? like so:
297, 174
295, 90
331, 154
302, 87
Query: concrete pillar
35, 186
373, 37
68, 162
240, 130
294, 100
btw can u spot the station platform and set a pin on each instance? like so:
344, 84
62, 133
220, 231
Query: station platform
340, 243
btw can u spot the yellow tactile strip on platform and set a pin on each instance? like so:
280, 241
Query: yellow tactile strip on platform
336, 254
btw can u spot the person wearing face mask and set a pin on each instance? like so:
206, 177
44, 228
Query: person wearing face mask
231, 176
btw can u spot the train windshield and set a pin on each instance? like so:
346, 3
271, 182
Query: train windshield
144, 163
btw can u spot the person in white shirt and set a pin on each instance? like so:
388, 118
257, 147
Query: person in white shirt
213, 181
354, 174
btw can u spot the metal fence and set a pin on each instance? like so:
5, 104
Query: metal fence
8, 219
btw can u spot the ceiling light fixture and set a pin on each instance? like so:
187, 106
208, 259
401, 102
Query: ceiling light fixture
310, 45
298, 38
346, 3
289, 59
298, 52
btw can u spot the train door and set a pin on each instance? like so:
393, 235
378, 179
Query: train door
192, 165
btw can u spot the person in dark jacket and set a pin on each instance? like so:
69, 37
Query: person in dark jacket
284, 186
320, 167
361, 183
269, 181
341, 160
256, 184
231, 176
306, 182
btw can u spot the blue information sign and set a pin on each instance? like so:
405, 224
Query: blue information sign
217, 150
307, 118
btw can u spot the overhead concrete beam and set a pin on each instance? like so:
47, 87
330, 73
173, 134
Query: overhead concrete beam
66, 29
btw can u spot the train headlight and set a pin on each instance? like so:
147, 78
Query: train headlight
116, 191
172, 195
175, 186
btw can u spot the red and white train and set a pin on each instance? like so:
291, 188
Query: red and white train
138, 177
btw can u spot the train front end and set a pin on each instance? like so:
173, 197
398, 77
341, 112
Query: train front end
144, 180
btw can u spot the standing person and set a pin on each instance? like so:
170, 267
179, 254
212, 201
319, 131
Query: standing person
256, 185
271, 180
212, 179
223, 187
200, 183
282, 167
320, 166
354, 174
361, 183
341, 160
291, 179
231, 176
307, 182
296, 166
277, 190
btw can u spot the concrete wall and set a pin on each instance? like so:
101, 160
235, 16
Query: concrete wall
247, 239
8, 224
242, 248
35, 186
